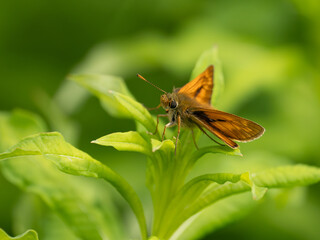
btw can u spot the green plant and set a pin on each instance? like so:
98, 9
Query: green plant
177, 203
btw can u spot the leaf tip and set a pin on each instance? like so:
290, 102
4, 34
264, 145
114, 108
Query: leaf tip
237, 152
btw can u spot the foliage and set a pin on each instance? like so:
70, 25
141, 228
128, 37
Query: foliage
43, 162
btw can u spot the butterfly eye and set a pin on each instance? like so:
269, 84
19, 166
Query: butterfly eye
173, 104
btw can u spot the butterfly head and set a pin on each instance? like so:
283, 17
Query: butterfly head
168, 102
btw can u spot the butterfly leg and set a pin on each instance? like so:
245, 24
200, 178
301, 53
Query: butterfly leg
170, 124
159, 115
179, 126
194, 139
209, 135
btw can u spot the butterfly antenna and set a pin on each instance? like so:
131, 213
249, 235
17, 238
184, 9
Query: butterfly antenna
150, 83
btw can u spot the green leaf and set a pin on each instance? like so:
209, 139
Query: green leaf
195, 187
211, 57
136, 110
58, 190
28, 235
159, 161
231, 208
200, 192
215, 217
128, 141
192, 197
73, 161
100, 86
287, 176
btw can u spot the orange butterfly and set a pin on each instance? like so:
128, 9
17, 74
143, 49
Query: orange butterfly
189, 106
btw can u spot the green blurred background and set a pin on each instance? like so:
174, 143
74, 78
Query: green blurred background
270, 56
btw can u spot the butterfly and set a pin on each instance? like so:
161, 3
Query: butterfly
190, 106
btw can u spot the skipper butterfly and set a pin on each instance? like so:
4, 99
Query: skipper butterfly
190, 106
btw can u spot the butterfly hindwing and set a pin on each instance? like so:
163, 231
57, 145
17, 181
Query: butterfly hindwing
227, 126
200, 88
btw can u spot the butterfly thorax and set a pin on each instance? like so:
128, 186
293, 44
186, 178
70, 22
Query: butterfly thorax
178, 104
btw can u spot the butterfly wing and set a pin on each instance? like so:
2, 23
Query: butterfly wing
226, 126
200, 88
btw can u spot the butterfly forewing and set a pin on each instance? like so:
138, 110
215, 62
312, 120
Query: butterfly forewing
200, 88
227, 126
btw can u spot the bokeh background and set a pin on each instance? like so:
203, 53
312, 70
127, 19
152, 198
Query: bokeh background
270, 55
